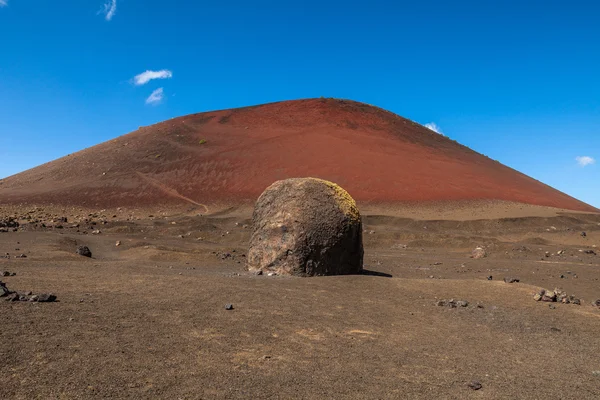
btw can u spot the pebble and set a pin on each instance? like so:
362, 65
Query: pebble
229, 306
475, 385
511, 280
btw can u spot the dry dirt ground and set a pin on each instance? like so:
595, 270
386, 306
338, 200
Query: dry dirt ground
147, 319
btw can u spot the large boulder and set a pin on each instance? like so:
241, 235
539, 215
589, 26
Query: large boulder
306, 227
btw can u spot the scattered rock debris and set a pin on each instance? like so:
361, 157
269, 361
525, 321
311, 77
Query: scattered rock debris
556, 296
452, 303
10, 295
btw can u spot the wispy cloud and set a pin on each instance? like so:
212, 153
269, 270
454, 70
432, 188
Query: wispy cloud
156, 96
433, 126
108, 9
584, 161
147, 76
3, 3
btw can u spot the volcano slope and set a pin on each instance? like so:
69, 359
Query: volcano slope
227, 158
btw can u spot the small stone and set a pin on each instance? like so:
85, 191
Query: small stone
549, 296
478, 252
259, 272
462, 303
551, 306
4, 290
489, 278
272, 274
583, 234
511, 280
46, 298
118, 243
475, 385
229, 306
84, 251
537, 297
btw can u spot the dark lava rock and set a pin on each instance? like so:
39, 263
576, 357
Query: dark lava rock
46, 298
306, 227
512, 280
84, 251
229, 306
9, 222
4, 290
475, 385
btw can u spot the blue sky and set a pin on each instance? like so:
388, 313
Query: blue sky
518, 81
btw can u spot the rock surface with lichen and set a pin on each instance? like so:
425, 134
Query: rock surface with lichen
306, 227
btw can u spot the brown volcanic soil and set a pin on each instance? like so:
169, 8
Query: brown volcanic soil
146, 319
225, 158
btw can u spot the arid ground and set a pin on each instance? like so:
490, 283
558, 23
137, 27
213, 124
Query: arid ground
147, 319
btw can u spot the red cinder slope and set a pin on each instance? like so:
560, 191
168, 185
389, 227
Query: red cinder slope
229, 157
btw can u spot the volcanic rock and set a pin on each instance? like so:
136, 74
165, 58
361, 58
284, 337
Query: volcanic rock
84, 251
4, 290
305, 227
478, 252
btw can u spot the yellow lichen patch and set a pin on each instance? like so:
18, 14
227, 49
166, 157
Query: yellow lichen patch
346, 202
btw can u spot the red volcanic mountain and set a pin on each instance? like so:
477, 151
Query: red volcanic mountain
229, 157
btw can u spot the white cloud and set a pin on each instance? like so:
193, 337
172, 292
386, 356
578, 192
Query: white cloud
432, 126
155, 97
147, 76
584, 161
3, 3
108, 9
